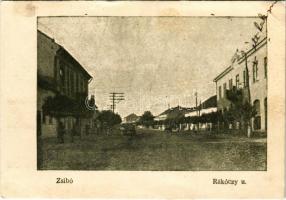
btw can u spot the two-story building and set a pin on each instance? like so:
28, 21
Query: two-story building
58, 72
254, 61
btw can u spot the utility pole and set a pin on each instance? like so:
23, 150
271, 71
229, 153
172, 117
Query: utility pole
196, 95
200, 108
168, 102
115, 98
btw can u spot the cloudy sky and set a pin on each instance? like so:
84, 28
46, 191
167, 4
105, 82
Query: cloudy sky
155, 61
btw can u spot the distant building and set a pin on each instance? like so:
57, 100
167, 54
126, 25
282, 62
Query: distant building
160, 117
180, 114
170, 113
132, 118
58, 72
236, 76
208, 106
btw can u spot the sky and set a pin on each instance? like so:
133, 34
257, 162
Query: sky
156, 62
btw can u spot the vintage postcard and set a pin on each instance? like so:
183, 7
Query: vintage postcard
143, 99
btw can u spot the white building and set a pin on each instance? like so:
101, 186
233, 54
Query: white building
236, 76
208, 106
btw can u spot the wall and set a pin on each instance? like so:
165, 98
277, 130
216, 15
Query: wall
46, 52
258, 89
49, 63
48, 129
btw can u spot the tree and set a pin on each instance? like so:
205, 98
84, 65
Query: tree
240, 109
147, 119
60, 106
109, 118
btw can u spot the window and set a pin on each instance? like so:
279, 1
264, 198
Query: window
76, 84
224, 89
62, 76
265, 67
79, 84
44, 119
257, 118
69, 82
72, 83
61, 72
56, 68
256, 104
219, 92
237, 80
230, 84
255, 70
83, 86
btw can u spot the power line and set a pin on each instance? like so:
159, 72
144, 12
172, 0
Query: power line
115, 98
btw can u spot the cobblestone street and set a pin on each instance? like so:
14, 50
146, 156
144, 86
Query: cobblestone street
156, 150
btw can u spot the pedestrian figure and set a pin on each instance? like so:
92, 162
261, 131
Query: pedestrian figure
73, 133
108, 131
104, 127
61, 132
87, 129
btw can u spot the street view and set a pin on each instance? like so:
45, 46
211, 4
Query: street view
152, 93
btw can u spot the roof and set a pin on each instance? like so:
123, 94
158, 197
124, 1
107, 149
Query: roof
131, 118
242, 58
176, 109
254, 49
210, 102
223, 73
131, 115
62, 51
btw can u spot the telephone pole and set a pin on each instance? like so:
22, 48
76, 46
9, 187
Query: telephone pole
115, 98
196, 94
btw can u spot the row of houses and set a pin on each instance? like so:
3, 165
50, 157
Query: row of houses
58, 73
247, 72
206, 107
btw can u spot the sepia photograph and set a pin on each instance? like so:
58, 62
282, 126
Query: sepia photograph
132, 99
152, 93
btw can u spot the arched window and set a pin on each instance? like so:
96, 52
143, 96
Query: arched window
257, 118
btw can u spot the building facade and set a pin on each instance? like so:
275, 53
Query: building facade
132, 118
207, 107
254, 62
60, 73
